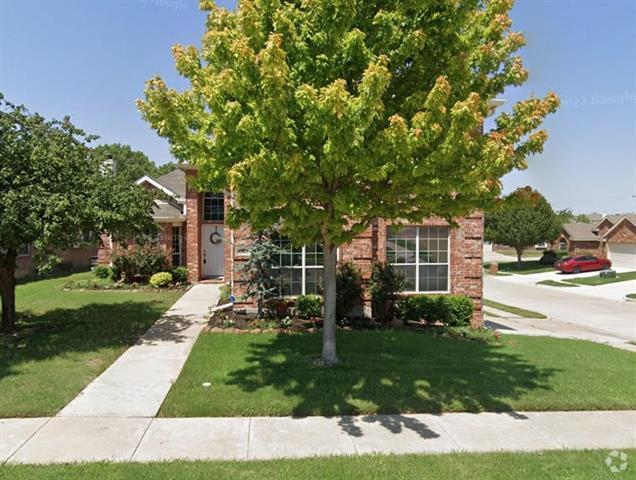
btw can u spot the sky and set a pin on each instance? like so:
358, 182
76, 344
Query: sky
89, 59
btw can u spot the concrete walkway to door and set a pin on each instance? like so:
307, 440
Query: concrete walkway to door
137, 383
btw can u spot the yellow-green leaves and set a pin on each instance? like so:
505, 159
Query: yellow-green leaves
325, 114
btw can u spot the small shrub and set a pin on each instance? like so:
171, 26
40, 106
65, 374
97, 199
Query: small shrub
139, 262
102, 271
161, 280
548, 257
450, 310
385, 286
278, 307
179, 275
308, 306
224, 294
348, 289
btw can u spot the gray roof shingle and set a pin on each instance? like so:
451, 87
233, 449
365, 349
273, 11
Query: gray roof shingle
175, 181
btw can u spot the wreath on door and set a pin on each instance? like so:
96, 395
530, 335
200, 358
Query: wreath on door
215, 237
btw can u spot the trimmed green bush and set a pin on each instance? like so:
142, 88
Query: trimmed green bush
385, 287
179, 275
548, 257
451, 310
161, 280
308, 306
348, 289
102, 271
224, 294
139, 262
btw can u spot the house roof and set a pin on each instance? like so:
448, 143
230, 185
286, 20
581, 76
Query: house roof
175, 181
164, 211
579, 231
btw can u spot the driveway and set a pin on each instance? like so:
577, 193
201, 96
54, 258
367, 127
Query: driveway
611, 291
575, 315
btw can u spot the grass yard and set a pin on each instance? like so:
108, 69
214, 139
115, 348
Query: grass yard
556, 465
522, 312
555, 283
397, 372
511, 252
526, 267
66, 338
595, 281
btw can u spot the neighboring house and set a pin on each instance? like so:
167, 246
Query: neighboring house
613, 237
433, 257
79, 257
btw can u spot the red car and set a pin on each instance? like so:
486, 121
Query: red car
585, 263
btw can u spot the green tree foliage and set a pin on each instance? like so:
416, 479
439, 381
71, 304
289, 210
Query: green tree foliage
131, 164
52, 192
256, 271
566, 215
522, 219
323, 115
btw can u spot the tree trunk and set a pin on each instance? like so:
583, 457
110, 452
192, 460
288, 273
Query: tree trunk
7, 290
519, 255
329, 356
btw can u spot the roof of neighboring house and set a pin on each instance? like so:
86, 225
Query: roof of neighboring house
579, 231
166, 211
175, 181
617, 217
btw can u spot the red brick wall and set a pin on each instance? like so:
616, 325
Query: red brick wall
466, 246
192, 234
78, 257
624, 233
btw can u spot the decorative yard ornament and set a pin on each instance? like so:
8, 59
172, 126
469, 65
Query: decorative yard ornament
323, 115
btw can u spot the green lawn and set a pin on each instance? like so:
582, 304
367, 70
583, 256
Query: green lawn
555, 465
397, 371
511, 252
554, 283
66, 338
596, 280
525, 268
514, 310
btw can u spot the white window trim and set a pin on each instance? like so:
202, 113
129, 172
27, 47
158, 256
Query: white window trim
417, 263
304, 268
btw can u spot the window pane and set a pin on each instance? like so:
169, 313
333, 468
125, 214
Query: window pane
408, 272
313, 280
433, 278
213, 206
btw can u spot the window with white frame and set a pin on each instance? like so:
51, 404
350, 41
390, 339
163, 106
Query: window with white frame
177, 246
420, 254
213, 207
298, 270
24, 250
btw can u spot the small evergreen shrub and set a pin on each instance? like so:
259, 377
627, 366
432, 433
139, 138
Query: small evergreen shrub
278, 307
548, 257
308, 306
102, 271
180, 275
161, 280
348, 289
138, 262
224, 294
385, 287
451, 310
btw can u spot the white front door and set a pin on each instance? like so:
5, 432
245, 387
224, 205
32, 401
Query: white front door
212, 250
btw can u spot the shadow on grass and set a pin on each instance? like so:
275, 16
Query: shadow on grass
87, 328
389, 372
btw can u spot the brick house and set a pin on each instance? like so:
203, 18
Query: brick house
433, 257
80, 257
613, 237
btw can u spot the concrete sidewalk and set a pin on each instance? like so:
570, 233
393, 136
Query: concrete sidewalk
68, 439
136, 384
